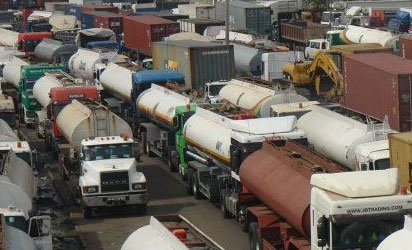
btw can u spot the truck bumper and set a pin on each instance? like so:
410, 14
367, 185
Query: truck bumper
111, 200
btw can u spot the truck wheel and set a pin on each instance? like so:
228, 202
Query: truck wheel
242, 218
255, 239
195, 185
87, 212
144, 142
223, 208
189, 181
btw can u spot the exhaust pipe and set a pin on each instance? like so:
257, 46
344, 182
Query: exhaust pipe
197, 157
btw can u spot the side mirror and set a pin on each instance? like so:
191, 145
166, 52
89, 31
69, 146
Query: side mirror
322, 231
81, 156
136, 150
40, 226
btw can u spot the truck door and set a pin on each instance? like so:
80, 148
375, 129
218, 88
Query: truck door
40, 232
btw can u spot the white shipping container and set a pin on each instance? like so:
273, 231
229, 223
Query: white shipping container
273, 62
197, 10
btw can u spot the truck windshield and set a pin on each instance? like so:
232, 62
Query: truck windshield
25, 156
29, 85
102, 152
382, 164
215, 89
325, 17
18, 222
363, 234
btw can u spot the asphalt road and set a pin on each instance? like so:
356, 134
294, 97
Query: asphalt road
167, 194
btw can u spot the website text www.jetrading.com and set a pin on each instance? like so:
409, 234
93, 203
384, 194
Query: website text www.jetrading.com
374, 209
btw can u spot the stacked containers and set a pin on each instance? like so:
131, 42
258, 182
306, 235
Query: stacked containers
405, 47
200, 62
141, 31
87, 8
379, 85
109, 20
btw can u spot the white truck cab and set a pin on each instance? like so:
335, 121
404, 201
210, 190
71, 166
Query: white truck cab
212, 90
108, 175
356, 210
314, 46
373, 155
20, 148
37, 229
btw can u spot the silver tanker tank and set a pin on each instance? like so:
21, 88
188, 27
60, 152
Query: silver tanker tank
255, 99
6, 133
53, 51
78, 121
247, 60
12, 71
12, 194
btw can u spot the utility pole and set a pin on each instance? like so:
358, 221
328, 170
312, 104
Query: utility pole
227, 23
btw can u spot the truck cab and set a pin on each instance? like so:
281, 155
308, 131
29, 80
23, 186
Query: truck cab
20, 148
212, 90
36, 228
314, 46
356, 210
331, 17
108, 175
373, 156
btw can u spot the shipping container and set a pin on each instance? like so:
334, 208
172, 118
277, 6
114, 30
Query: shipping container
55, 6
163, 14
405, 47
6, 17
92, 7
379, 85
196, 25
109, 20
81, 2
200, 62
400, 149
74, 10
141, 31
88, 19
197, 10
246, 16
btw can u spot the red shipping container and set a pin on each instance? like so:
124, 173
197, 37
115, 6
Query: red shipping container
405, 47
108, 8
141, 31
379, 85
109, 20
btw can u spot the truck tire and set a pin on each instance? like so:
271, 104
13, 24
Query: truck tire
144, 142
243, 219
189, 181
195, 186
255, 239
225, 212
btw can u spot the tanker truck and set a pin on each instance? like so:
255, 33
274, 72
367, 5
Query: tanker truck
255, 98
327, 209
210, 161
170, 232
53, 51
22, 74
356, 144
99, 158
53, 91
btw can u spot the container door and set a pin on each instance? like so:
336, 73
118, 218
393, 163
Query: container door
405, 104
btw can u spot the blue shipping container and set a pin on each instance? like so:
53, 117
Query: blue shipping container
74, 10
88, 20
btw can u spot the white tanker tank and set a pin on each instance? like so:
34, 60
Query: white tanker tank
160, 103
112, 76
8, 38
78, 121
84, 62
401, 239
353, 144
42, 87
12, 71
12, 194
255, 99
356, 34
213, 132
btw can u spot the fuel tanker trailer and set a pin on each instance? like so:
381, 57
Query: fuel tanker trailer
85, 63
327, 209
53, 51
256, 99
99, 156
216, 140
358, 144
53, 92
159, 109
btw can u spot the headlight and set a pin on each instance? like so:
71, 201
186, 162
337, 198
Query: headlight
90, 189
139, 186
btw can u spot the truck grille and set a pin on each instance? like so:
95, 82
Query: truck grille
114, 181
